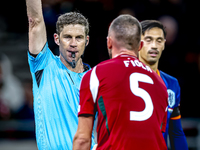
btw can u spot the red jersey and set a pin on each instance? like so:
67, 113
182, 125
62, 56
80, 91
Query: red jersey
131, 101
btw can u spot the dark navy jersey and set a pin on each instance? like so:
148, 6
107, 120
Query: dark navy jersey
173, 127
173, 90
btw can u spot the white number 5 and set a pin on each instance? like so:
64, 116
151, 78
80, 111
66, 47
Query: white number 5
135, 78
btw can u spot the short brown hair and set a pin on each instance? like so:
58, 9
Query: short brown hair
71, 18
127, 30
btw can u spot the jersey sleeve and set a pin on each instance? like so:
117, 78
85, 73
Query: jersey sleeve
176, 112
176, 135
86, 104
177, 94
41, 60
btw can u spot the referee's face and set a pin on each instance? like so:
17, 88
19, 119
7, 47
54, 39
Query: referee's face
72, 42
154, 44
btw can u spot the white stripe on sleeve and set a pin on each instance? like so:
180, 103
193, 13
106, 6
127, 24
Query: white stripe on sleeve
94, 84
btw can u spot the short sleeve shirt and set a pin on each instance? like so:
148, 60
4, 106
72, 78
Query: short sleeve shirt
56, 100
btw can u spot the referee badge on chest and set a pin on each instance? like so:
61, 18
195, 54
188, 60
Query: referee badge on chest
171, 97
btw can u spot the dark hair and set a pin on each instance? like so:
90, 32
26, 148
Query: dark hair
149, 24
127, 30
71, 18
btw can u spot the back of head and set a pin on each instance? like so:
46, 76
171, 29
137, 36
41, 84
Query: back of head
126, 30
71, 18
149, 24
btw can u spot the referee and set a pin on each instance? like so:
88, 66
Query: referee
56, 79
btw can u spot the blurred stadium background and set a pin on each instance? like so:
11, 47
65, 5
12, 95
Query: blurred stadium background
181, 57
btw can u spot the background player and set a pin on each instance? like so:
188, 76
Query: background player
153, 36
130, 98
56, 80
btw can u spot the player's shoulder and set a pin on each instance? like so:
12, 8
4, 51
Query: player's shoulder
107, 64
106, 67
167, 77
173, 89
118, 61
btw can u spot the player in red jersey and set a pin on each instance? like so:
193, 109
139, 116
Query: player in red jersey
130, 98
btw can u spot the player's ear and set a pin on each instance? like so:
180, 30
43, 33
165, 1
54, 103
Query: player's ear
56, 39
164, 44
109, 43
141, 45
87, 40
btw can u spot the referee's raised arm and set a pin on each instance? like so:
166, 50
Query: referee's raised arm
37, 29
